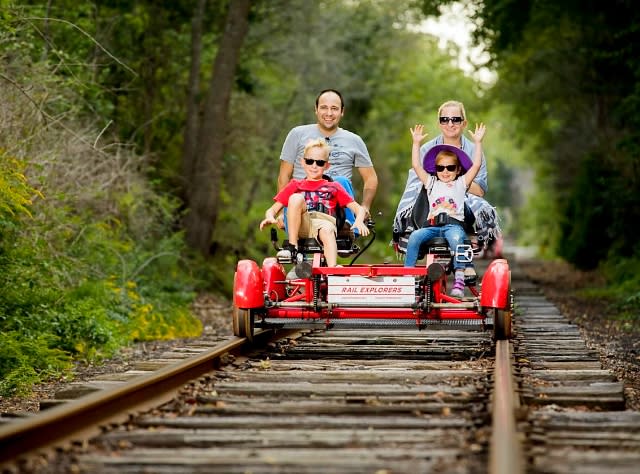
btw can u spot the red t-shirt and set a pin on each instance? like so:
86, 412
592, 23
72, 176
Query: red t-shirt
319, 195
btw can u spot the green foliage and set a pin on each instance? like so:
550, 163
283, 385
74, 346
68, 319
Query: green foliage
98, 294
99, 263
15, 192
624, 280
621, 291
84, 329
585, 234
25, 361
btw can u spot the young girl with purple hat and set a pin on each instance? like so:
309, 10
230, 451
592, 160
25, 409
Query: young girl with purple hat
446, 173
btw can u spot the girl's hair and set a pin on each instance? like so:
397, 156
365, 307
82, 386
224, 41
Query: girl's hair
453, 103
447, 154
317, 143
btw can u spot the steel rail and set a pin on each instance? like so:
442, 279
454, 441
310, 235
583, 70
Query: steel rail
505, 450
83, 418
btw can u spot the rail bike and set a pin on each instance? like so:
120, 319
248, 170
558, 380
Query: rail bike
312, 295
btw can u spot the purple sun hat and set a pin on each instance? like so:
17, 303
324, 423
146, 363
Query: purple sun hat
429, 162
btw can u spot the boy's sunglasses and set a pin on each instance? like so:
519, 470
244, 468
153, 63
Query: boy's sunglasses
444, 120
320, 163
447, 167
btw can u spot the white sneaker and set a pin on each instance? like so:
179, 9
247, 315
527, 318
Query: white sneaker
284, 254
287, 254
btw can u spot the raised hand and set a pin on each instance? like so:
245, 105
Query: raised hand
479, 132
417, 133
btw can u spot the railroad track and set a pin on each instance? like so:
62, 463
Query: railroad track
573, 413
357, 401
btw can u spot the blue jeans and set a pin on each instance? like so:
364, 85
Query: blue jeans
348, 213
454, 234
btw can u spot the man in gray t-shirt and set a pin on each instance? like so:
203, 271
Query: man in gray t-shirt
347, 149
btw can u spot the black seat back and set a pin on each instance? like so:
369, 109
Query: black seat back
420, 212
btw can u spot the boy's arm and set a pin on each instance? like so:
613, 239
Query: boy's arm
477, 136
270, 215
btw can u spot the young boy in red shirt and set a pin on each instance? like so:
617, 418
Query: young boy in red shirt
311, 204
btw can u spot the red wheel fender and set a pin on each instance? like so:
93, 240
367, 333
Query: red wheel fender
495, 285
273, 275
247, 285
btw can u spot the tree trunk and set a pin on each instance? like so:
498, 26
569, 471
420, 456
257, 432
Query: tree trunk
204, 180
190, 141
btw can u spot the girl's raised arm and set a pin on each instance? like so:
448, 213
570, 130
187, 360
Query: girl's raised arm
417, 135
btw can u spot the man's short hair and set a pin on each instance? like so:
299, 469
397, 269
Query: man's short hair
335, 92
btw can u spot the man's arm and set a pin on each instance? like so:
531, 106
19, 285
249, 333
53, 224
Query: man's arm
370, 180
284, 175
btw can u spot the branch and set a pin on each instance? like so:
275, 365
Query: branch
88, 36
23, 92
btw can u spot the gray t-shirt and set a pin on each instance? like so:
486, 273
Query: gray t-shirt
347, 150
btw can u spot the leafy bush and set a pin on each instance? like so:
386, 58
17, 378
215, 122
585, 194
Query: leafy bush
25, 361
15, 193
77, 301
97, 264
624, 283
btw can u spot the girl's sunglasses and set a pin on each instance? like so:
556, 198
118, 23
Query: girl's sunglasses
320, 163
446, 167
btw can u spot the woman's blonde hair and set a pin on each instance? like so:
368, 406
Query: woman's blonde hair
453, 103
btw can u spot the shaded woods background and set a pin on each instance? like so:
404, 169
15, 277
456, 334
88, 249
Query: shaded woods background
140, 140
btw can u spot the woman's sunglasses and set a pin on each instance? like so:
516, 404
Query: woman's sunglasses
455, 120
446, 167
320, 163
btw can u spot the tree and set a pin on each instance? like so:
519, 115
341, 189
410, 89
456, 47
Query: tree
570, 72
203, 182
190, 142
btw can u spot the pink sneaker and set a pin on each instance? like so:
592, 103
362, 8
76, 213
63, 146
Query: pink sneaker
458, 285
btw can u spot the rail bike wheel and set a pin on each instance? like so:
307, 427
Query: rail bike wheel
501, 324
502, 319
243, 322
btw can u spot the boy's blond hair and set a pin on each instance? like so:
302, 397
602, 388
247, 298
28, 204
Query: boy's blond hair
319, 143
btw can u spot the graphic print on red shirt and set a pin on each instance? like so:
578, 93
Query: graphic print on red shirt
321, 195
